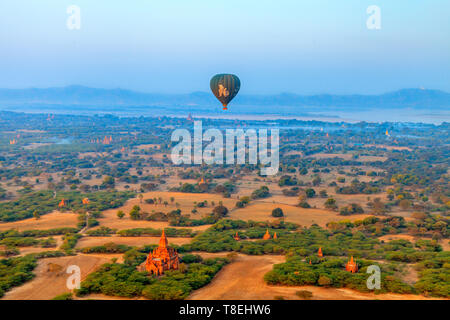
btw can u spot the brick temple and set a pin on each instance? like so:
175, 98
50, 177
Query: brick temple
351, 266
161, 259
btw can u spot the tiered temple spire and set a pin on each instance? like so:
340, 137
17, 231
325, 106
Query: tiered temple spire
161, 259
351, 266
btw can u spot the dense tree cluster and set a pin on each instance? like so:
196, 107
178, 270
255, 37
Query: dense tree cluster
44, 202
124, 280
330, 272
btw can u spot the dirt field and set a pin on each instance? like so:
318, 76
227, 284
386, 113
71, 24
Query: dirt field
244, 279
47, 284
346, 156
27, 250
148, 146
390, 237
52, 220
185, 201
388, 147
262, 211
130, 241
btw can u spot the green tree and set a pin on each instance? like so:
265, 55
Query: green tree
36, 215
277, 213
221, 211
310, 192
330, 203
135, 213
120, 214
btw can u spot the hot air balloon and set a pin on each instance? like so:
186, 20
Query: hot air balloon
225, 87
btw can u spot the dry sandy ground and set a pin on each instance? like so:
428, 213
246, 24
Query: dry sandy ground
185, 200
262, 211
244, 279
127, 223
27, 250
390, 237
347, 156
382, 146
47, 284
130, 241
445, 243
372, 158
148, 146
35, 145
51, 220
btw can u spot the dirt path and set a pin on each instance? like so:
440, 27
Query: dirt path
244, 279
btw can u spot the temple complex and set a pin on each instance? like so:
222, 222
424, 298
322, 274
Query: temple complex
351, 266
161, 259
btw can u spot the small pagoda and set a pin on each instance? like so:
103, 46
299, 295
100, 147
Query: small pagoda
236, 237
62, 203
351, 266
319, 253
267, 235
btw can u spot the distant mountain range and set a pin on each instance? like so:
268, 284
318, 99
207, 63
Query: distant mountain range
86, 96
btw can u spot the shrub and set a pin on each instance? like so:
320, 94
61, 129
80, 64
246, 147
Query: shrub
310, 193
304, 294
220, 210
64, 296
277, 213
262, 192
304, 204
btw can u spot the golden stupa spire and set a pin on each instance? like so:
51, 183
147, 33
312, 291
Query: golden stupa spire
163, 241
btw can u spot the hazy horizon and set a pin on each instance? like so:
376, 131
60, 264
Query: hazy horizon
408, 105
208, 91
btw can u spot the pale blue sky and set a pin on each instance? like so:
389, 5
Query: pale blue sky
315, 46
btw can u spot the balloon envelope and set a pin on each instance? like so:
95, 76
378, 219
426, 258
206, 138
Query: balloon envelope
225, 87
